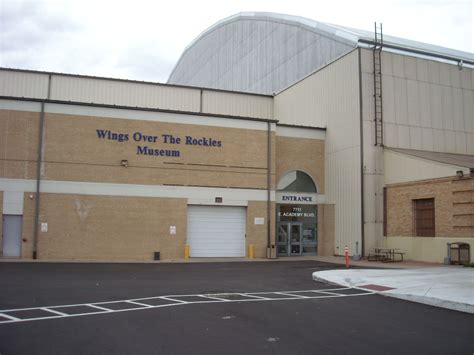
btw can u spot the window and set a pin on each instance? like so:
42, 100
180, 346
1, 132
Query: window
424, 217
296, 181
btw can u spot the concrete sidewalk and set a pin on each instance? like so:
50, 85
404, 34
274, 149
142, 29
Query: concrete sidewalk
449, 287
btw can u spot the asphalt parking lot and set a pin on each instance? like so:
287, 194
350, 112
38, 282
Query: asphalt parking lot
211, 308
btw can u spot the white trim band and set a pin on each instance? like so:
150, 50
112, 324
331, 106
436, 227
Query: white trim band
196, 195
137, 115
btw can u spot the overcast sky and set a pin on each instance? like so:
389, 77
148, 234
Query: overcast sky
142, 40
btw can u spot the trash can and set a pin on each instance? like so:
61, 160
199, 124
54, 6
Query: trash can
157, 255
459, 253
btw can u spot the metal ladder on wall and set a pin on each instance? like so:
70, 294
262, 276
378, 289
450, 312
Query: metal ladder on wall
377, 55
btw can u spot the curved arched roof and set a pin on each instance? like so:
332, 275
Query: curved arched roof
352, 35
210, 60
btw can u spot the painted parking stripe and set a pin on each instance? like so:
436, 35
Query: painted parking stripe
140, 304
290, 294
332, 293
93, 306
168, 298
9, 317
216, 298
53, 311
254, 296
179, 300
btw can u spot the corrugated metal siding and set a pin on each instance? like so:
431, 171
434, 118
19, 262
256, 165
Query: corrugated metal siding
23, 84
330, 98
427, 105
225, 103
122, 93
263, 55
373, 159
133, 94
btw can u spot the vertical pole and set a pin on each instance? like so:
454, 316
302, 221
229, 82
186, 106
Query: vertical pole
269, 141
362, 172
346, 253
38, 172
38, 182
200, 101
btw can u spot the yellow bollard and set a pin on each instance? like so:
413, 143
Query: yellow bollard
186, 251
250, 251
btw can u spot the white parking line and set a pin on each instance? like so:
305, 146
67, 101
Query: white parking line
290, 294
140, 304
332, 293
176, 301
53, 311
216, 298
253, 296
9, 317
168, 298
91, 305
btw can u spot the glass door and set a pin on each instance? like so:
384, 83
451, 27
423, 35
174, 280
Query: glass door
282, 239
289, 239
296, 230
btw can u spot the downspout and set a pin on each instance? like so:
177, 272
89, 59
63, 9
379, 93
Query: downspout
269, 247
38, 171
200, 101
362, 205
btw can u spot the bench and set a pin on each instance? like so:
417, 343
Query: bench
385, 255
377, 256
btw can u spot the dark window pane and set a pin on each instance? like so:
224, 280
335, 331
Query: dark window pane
296, 181
424, 217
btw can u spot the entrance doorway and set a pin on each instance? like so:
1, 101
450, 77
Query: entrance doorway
289, 238
12, 235
296, 215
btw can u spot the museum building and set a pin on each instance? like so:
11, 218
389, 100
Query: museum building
121, 179
241, 155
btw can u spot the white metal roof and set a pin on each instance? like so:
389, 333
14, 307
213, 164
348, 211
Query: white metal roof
348, 35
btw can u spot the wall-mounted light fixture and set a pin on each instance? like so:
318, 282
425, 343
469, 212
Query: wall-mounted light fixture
460, 64
459, 174
124, 163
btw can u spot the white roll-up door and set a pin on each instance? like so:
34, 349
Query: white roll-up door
216, 231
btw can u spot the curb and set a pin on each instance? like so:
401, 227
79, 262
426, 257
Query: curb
391, 292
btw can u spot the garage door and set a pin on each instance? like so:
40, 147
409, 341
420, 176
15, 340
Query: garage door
216, 231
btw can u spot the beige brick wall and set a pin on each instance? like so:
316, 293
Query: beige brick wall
73, 141
109, 228
73, 152
257, 234
104, 228
83, 227
301, 154
454, 206
18, 144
